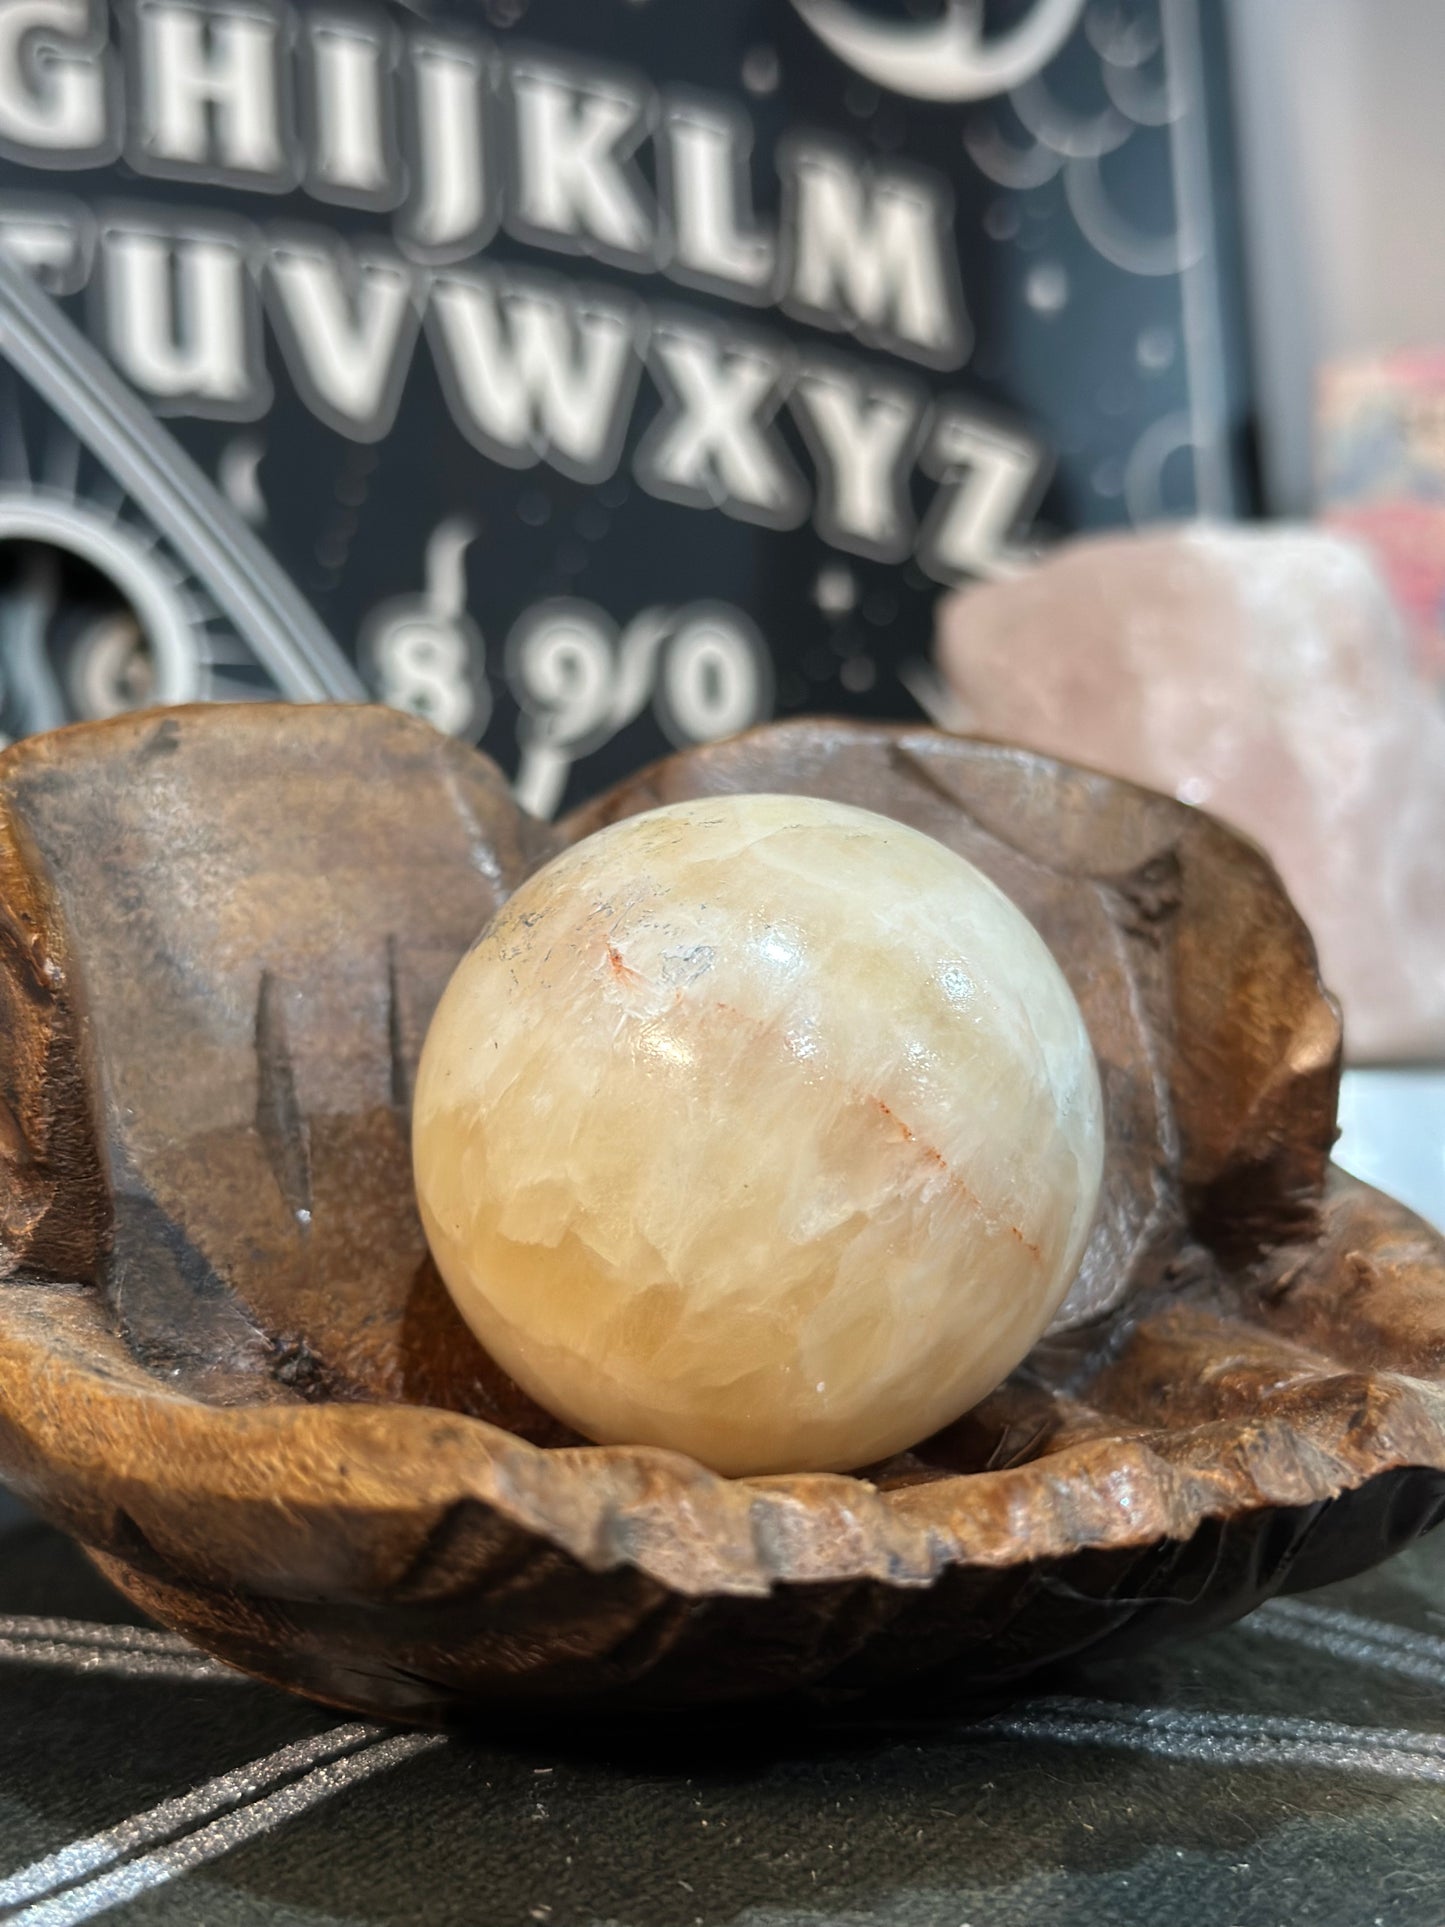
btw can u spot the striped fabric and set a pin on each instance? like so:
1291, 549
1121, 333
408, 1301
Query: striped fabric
1291, 1769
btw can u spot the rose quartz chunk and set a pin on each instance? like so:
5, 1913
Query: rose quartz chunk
1264, 675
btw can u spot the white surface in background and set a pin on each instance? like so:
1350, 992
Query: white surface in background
1393, 1135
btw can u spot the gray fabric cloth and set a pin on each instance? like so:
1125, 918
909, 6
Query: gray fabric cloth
1288, 1770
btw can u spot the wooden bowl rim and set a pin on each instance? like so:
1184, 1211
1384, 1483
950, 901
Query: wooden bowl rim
693, 1532
614, 1505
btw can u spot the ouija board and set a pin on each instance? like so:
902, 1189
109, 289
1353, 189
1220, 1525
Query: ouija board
589, 376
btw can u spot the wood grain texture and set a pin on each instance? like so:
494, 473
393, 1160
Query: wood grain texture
228, 1367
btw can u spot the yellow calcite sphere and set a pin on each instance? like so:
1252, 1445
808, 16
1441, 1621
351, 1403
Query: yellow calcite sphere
762, 1128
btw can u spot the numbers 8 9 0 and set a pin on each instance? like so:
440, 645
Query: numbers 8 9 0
579, 679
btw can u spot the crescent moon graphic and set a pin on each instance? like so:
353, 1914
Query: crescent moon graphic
1109, 234
1018, 168
944, 59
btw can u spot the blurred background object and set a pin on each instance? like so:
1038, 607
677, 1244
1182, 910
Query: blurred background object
1381, 458
1342, 166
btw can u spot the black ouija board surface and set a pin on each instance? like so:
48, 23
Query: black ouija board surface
590, 376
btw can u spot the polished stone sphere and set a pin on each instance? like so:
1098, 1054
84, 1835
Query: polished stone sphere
762, 1128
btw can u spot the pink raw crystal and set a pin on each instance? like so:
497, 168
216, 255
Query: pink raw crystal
1264, 675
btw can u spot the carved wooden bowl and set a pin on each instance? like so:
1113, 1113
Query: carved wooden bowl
227, 1367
